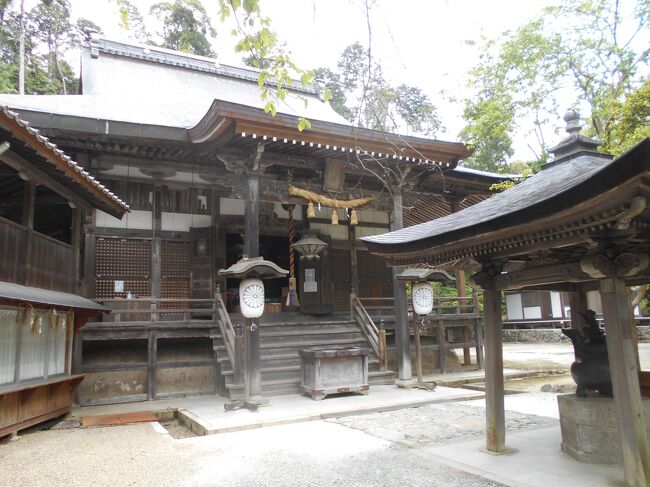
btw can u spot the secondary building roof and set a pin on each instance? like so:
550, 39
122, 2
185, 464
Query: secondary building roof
28, 145
15, 293
574, 195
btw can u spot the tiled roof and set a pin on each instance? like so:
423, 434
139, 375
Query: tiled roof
494, 212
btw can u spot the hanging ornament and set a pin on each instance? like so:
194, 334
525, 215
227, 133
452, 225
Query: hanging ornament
353, 217
335, 217
311, 212
37, 327
319, 206
422, 298
52, 319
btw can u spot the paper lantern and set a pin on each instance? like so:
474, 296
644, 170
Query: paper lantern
251, 298
422, 298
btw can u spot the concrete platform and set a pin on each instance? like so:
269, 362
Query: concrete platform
205, 415
537, 461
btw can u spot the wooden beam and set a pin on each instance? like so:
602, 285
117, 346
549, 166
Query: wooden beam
625, 382
37, 176
541, 275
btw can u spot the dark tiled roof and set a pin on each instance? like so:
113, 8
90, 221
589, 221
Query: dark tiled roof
497, 212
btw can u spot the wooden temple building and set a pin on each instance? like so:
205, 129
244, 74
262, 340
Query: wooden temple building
210, 177
579, 225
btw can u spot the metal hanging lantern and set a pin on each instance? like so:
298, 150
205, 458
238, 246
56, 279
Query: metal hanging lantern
309, 247
422, 298
251, 297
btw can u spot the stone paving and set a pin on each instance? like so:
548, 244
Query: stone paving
437, 423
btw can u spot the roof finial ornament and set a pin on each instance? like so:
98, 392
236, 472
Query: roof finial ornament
572, 119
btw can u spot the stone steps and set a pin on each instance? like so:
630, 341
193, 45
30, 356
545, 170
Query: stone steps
280, 361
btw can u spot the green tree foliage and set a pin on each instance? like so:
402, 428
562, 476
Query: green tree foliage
186, 26
630, 121
48, 35
591, 50
361, 94
262, 49
131, 20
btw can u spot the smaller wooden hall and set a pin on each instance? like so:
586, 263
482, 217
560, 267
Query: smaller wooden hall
581, 224
44, 193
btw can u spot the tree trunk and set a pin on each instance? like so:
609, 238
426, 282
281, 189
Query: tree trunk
21, 50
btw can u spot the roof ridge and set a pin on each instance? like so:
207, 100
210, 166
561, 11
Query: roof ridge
170, 57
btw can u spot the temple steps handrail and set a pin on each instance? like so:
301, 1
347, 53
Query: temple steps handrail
227, 330
375, 337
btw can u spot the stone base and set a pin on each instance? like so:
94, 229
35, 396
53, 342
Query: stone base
589, 429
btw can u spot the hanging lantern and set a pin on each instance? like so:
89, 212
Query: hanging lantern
354, 220
311, 212
422, 298
251, 297
309, 247
335, 217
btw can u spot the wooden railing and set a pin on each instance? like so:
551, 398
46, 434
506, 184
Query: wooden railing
384, 308
462, 313
153, 309
231, 340
376, 337
33, 259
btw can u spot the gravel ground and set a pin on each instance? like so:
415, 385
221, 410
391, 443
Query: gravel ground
306, 454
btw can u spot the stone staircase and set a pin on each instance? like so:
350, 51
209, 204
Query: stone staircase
280, 340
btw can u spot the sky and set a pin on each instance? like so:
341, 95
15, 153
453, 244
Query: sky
419, 42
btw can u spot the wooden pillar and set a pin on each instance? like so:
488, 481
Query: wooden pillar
402, 334
89, 257
156, 244
494, 407
29, 203
76, 249
253, 372
354, 268
625, 381
454, 206
252, 212
578, 304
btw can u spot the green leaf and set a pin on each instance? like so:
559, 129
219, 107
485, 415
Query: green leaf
303, 124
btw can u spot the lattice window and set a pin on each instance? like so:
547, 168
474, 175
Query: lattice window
175, 260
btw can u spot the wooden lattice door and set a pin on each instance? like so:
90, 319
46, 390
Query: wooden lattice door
122, 266
341, 278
